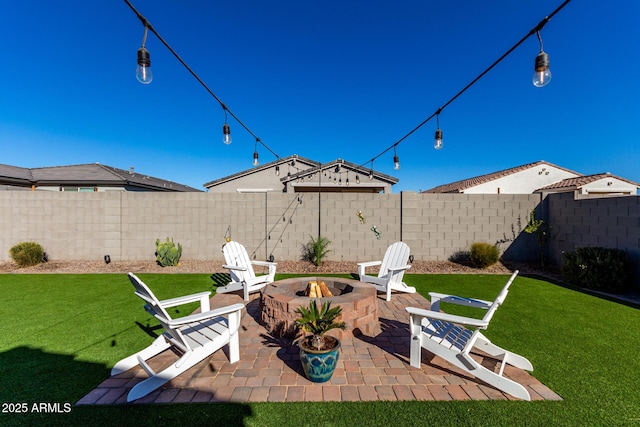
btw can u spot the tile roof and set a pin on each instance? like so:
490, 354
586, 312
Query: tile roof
581, 181
91, 174
460, 186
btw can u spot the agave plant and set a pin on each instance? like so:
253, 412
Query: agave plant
318, 322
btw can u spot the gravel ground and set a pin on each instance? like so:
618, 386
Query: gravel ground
191, 266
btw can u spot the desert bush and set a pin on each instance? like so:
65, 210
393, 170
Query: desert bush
597, 268
167, 254
483, 254
26, 254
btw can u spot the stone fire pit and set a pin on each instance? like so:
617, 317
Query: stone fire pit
359, 302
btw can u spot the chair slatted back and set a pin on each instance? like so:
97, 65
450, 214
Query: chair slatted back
500, 298
153, 306
396, 255
235, 254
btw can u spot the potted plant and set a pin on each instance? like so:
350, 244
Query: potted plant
319, 352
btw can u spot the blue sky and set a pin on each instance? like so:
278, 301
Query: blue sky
323, 80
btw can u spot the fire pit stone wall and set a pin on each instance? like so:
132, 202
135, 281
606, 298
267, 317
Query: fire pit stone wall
358, 300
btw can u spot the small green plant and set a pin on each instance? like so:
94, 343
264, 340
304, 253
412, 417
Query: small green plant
316, 250
318, 322
26, 254
167, 253
542, 232
597, 268
484, 254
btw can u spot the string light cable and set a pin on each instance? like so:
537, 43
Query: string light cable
143, 59
147, 25
534, 30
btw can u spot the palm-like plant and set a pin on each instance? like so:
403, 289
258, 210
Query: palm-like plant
318, 322
316, 250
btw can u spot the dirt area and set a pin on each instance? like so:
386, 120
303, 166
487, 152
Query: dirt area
191, 266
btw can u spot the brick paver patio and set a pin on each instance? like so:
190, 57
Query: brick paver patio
269, 370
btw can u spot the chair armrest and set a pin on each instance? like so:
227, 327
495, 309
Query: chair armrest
363, 265
235, 267
452, 318
201, 296
437, 298
264, 263
400, 268
198, 317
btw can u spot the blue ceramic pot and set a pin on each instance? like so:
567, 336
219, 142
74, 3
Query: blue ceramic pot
319, 365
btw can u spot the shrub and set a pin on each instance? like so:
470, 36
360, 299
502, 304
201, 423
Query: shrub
167, 253
542, 232
316, 250
26, 254
484, 254
597, 268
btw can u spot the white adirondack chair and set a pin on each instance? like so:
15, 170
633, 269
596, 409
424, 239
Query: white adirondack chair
241, 271
392, 269
194, 337
453, 337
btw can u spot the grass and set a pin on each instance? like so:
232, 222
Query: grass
62, 333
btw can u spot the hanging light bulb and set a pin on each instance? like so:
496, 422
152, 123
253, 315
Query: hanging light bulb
255, 155
396, 159
437, 143
277, 170
542, 72
357, 179
371, 174
226, 134
143, 70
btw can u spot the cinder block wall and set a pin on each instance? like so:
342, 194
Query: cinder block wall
87, 226
611, 222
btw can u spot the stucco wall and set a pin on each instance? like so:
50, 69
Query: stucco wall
87, 226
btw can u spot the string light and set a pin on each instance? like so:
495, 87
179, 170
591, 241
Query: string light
396, 159
542, 73
536, 29
255, 154
146, 60
542, 66
437, 143
226, 130
143, 70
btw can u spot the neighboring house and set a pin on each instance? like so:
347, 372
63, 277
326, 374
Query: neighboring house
87, 177
603, 184
297, 174
524, 179
541, 177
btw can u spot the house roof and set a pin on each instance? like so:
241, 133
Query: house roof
92, 174
293, 158
341, 164
460, 186
310, 167
581, 181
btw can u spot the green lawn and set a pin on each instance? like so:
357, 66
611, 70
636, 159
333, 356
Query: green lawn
62, 333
